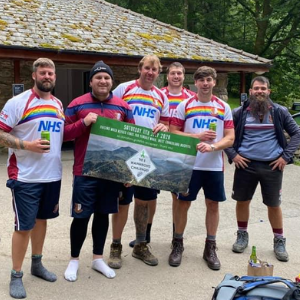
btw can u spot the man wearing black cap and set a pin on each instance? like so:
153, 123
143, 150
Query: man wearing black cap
92, 195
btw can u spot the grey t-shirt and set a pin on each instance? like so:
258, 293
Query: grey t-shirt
259, 140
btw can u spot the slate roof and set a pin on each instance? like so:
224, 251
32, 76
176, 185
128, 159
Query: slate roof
101, 27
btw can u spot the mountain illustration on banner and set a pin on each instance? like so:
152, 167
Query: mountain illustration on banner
129, 153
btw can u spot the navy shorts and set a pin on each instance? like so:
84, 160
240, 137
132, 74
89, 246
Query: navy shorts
92, 194
246, 181
33, 201
212, 183
125, 195
145, 194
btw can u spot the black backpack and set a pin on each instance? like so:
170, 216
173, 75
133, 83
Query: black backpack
256, 288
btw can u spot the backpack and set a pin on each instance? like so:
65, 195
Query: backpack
256, 288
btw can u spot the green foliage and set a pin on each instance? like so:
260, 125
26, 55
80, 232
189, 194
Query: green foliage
297, 161
233, 102
268, 28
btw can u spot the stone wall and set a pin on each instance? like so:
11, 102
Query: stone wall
7, 78
123, 74
6, 81
220, 89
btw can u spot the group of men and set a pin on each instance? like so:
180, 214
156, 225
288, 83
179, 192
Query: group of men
252, 137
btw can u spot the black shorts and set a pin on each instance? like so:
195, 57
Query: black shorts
145, 194
212, 183
33, 201
125, 195
246, 181
92, 194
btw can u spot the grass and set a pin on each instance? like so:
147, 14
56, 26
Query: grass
233, 102
297, 162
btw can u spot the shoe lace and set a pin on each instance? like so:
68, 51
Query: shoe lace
213, 249
115, 251
279, 245
145, 250
241, 237
177, 247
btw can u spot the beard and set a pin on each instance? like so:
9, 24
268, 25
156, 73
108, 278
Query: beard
258, 106
46, 86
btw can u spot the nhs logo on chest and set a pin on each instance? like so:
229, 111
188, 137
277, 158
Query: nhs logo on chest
52, 126
201, 123
144, 112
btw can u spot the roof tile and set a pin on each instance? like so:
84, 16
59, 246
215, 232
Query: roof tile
98, 26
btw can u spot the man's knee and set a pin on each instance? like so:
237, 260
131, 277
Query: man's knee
184, 205
212, 206
243, 203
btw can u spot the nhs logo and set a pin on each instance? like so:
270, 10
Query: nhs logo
144, 112
50, 126
202, 123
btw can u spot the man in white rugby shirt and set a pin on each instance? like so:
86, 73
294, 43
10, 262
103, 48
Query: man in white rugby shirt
176, 93
34, 169
193, 117
150, 108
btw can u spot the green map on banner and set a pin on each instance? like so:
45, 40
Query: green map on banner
125, 152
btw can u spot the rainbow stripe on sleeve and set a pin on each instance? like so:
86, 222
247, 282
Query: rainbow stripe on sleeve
42, 111
204, 111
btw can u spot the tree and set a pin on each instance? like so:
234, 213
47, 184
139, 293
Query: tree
268, 28
277, 38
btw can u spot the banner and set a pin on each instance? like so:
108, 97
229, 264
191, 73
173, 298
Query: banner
125, 152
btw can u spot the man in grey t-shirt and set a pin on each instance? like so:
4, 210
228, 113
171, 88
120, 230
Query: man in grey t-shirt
260, 153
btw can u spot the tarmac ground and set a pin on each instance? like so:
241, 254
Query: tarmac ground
135, 280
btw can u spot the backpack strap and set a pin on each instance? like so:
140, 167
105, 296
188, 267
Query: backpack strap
293, 292
254, 281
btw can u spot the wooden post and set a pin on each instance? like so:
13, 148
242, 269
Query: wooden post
242, 82
17, 77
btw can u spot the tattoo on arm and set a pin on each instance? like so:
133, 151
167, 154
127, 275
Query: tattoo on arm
10, 141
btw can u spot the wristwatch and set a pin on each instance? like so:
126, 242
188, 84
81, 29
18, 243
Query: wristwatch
212, 146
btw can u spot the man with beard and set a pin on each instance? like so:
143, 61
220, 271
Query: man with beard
260, 153
34, 169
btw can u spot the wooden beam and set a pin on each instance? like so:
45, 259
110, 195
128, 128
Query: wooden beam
242, 82
120, 60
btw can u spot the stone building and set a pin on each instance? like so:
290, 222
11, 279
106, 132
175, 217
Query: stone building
75, 34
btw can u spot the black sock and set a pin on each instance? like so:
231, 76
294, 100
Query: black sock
148, 237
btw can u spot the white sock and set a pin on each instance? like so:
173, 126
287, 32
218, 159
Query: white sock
100, 266
71, 271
